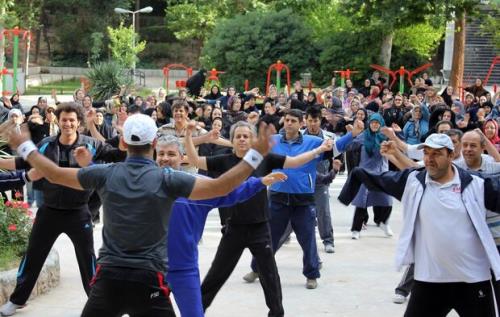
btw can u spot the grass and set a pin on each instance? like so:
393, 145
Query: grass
68, 87
62, 87
8, 259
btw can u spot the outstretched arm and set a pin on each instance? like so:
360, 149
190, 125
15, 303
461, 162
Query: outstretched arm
245, 191
52, 172
301, 159
391, 183
209, 188
192, 154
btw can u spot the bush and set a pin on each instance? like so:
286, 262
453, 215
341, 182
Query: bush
106, 79
15, 227
245, 46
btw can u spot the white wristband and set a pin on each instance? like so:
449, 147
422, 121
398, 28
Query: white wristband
253, 158
25, 148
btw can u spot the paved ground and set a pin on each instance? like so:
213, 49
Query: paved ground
358, 280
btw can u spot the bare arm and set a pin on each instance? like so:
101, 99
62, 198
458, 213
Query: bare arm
91, 126
489, 147
205, 188
8, 164
53, 173
393, 154
209, 188
192, 154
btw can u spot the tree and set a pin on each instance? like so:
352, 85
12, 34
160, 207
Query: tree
196, 20
121, 39
76, 20
389, 16
245, 46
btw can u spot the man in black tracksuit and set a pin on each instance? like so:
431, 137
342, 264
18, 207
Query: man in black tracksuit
64, 210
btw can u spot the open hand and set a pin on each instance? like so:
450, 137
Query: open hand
327, 145
82, 156
262, 143
17, 137
272, 178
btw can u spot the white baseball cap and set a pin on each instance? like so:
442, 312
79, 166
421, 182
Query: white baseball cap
139, 129
437, 141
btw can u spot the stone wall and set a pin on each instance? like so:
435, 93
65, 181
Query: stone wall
48, 279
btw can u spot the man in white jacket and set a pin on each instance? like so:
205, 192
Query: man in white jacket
444, 233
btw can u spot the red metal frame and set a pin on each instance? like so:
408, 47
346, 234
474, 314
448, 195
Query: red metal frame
278, 66
401, 72
213, 74
496, 60
166, 73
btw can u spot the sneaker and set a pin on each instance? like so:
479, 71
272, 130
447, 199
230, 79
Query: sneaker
355, 235
364, 227
329, 248
251, 277
9, 309
387, 229
311, 283
398, 299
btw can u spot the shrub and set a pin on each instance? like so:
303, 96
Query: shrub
15, 227
106, 79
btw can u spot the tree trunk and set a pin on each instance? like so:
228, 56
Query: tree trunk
386, 50
457, 67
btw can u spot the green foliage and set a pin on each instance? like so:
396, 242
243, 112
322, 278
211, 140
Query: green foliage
76, 20
106, 79
421, 39
121, 40
96, 47
197, 19
245, 46
491, 24
15, 227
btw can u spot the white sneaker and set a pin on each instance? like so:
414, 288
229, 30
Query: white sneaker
398, 299
9, 309
329, 248
311, 283
355, 235
387, 229
251, 277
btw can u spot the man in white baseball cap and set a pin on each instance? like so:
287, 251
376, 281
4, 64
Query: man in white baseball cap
137, 197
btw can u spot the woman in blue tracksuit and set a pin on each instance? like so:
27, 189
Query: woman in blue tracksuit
372, 160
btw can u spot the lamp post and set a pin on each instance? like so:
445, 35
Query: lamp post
124, 11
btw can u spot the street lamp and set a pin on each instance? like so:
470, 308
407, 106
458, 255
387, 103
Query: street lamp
124, 11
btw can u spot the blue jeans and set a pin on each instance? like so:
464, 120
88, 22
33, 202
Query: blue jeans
303, 221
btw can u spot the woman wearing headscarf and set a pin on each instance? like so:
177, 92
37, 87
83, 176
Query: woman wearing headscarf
14, 101
417, 126
373, 161
214, 94
490, 130
477, 89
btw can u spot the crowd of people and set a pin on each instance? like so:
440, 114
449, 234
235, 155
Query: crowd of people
174, 154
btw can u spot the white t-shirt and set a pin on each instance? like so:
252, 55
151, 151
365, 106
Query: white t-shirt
447, 246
